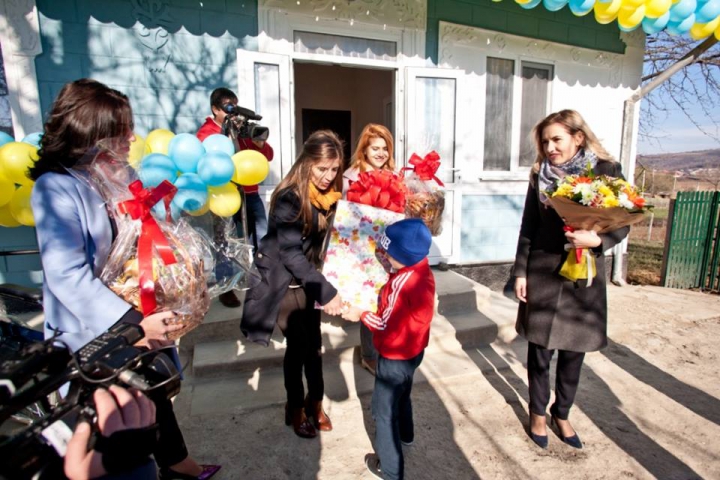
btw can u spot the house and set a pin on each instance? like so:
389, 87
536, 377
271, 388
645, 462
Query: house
467, 78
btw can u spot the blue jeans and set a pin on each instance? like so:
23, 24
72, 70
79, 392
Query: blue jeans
392, 412
257, 223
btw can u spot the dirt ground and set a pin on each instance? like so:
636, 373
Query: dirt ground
648, 407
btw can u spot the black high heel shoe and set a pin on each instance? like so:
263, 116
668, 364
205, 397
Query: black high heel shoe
207, 472
540, 440
573, 441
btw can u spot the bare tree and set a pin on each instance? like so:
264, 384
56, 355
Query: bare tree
696, 84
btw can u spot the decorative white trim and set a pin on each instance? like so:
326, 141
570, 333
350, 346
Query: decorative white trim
410, 14
20, 38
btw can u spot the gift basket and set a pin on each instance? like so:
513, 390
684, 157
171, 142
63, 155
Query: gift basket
425, 197
593, 202
154, 264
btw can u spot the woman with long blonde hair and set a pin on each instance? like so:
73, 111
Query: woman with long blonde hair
288, 259
556, 313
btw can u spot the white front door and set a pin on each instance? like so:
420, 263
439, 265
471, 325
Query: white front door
431, 124
264, 81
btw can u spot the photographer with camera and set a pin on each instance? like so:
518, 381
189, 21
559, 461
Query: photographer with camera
125, 416
75, 232
231, 120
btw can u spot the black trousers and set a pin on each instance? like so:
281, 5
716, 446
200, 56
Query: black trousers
567, 377
170, 448
299, 321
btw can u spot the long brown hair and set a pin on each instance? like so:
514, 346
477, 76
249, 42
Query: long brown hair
573, 123
320, 146
85, 111
371, 131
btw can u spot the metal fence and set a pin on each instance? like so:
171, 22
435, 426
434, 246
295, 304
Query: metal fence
691, 258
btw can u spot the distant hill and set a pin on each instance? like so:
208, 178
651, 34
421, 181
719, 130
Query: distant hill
687, 162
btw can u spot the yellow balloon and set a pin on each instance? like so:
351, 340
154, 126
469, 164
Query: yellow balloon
20, 206
251, 167
628, 18
200, 211
137, 151
6, 218
717, 33
15, 160
224, 201
703, 30
632, 4
607, 12
7, 189
157, 141
657, 8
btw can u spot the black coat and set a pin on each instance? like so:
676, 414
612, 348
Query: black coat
283, 255
560, 314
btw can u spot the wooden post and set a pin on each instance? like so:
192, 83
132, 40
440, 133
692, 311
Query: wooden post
668, 236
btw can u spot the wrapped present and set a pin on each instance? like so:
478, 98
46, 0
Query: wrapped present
425, 197
379, 188
352, 262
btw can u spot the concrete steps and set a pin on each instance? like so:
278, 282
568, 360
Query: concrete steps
230, 374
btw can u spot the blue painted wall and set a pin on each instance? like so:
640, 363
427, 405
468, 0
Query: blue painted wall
490, 227
166, 60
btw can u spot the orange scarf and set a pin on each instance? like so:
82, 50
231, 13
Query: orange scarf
323, 201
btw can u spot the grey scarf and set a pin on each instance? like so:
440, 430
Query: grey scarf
550, 175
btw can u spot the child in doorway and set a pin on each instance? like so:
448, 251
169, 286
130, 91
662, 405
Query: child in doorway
401, 330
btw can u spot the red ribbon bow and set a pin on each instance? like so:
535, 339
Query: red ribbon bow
426, 167
578, 251
378, 188
150, 235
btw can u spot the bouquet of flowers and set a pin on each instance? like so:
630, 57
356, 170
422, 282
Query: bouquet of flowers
425, 198
593, 202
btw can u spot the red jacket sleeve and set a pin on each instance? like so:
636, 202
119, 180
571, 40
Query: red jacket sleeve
247, 144
396, 308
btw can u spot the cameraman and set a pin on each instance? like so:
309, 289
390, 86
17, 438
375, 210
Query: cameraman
256, 217
131, 415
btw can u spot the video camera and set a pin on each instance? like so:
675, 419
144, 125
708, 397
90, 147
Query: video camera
238, 122
29, 375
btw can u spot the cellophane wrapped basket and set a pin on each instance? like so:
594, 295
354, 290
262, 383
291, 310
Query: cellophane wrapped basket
425, 198
155, 265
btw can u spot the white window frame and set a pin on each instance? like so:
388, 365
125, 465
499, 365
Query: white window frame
515, 171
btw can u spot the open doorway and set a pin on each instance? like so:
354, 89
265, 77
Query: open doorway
342, 99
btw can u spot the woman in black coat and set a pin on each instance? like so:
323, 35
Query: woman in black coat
288, 259
555, 313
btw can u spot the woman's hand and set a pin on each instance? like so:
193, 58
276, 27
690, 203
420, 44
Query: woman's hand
158, 325
352, 314
334, 306
583, 239
521, 289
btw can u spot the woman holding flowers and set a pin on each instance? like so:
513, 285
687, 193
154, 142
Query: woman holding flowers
75, 231
374, 151
288, 259
556, 313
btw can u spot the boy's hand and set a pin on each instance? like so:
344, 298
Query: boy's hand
352, 314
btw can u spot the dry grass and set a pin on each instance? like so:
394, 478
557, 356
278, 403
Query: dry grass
644, 262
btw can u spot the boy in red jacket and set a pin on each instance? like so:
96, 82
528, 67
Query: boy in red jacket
401, 330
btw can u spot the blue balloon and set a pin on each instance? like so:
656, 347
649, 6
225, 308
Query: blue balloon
554, 5
33, 139
160, 213
681, 10
219, 143
707, 11
654, 25
5, 138
186, 150
530, 4
192, 192
682, 27
155, 168
581, 7
216, 168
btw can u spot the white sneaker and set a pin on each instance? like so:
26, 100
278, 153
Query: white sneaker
372, 463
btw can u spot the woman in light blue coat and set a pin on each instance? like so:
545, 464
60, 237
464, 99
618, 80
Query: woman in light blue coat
75, 231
